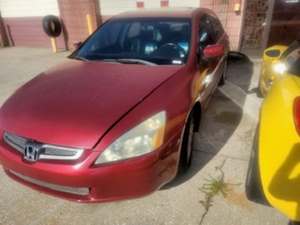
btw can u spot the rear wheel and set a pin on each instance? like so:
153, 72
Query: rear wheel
186, 153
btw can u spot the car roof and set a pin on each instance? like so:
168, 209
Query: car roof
187, 12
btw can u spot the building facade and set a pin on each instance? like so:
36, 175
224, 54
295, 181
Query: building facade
271, 22
21, 21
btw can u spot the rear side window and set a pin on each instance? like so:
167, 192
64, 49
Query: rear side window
206, 32
218, 28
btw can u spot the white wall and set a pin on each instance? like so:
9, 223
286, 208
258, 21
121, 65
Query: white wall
28, 8
152, 4
184, 3
113, 7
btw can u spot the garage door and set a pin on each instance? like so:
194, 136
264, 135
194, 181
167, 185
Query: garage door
23, 20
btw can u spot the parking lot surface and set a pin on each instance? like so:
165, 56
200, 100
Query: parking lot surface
221, 155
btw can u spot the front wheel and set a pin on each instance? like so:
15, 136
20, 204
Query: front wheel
294, 223
224, 74
186, 152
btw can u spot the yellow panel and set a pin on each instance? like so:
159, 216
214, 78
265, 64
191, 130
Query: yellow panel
267, 72
279, 147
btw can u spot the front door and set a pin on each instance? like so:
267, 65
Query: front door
210, 71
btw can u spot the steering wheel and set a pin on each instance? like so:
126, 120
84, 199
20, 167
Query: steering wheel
171, 50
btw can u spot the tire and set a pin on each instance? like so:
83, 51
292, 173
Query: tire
224, 74
294, 223
186, 153
254, 190
259, 93
52, 26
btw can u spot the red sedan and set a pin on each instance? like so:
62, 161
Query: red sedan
117, 119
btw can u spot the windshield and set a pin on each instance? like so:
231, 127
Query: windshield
293, 59
156, 41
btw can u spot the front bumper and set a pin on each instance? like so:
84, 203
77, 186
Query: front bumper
85, 183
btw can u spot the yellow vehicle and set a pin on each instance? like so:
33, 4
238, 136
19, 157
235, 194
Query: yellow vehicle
272, 67
274, 170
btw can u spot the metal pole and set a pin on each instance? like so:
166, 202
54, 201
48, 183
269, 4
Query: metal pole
268, 24
89, 23
53, 44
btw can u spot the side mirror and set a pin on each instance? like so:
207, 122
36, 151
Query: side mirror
274, 53
213, 51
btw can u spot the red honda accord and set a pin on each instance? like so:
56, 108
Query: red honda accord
117, 119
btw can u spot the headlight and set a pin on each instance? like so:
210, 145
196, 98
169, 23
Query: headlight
279, 68
142, 139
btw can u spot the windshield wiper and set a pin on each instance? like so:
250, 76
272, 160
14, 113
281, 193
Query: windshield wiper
80, 58
136, 61
120, 60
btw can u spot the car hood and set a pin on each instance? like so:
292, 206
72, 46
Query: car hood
77, 102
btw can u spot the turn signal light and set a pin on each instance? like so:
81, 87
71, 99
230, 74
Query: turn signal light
297, 114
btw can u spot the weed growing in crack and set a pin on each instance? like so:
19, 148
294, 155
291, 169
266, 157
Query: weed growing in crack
213, 187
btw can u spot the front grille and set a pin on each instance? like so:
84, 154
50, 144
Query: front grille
71, 190
47, 151
16, 142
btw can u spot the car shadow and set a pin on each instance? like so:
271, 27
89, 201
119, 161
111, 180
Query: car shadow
243, 66
285, 178
218, 122
240, 71
217, 125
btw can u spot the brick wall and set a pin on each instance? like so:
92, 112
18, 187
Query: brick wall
255, 15
285, 25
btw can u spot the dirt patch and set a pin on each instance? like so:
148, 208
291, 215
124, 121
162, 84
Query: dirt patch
238, 199
227, 117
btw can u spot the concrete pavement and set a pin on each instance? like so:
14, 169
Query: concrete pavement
221, 151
